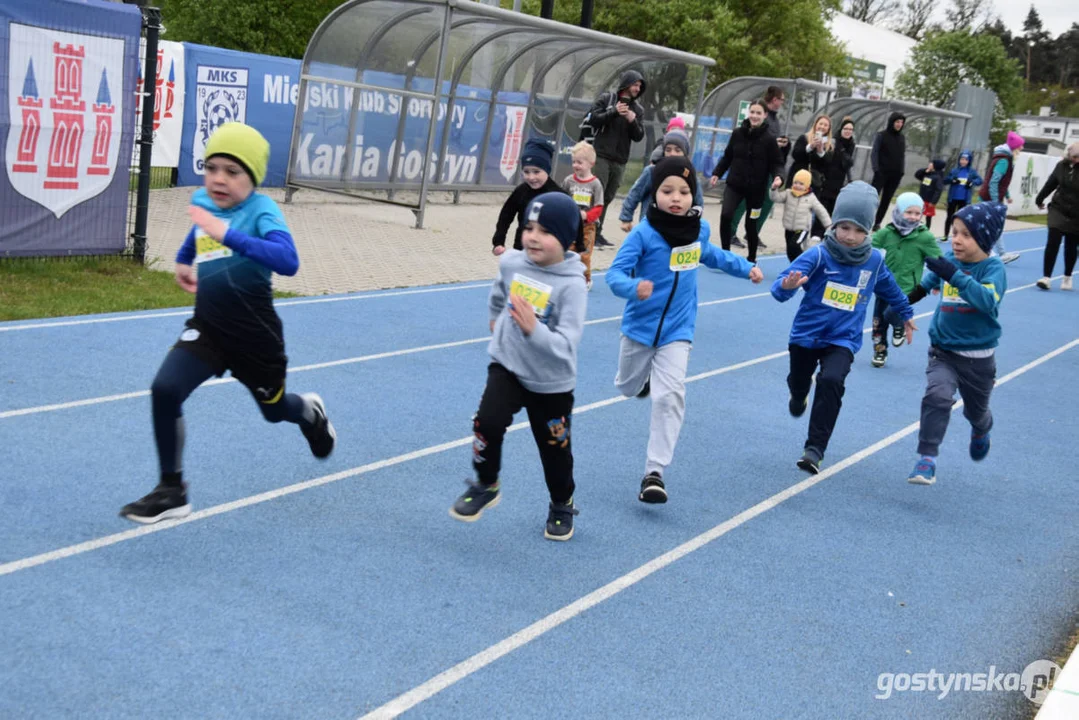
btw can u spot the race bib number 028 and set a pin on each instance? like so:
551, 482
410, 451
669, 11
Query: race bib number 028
841, 297
535, 292
686, 257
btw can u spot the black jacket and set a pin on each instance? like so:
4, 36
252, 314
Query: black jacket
753, 159
1064, 208
614, 134
515, 206
806, 159
835, 174
932, 190
890, 148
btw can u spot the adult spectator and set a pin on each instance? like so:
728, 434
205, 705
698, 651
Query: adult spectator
889, 162
616, 119
1063, 217
774, 97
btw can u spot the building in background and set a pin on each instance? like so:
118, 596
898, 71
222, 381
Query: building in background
877, 54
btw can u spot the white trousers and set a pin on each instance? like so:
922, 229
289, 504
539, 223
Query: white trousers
666, 368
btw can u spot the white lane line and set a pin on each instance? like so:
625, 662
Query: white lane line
445, 679
317, 366
283, 303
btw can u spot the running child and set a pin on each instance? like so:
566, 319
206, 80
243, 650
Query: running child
587, 191
536, 180
655, 270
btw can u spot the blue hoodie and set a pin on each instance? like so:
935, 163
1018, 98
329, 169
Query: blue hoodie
961, 179
836, 298
670, 313
967, 316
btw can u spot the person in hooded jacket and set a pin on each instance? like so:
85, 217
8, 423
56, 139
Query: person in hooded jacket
889, 163
961, 182
932, 187
998, 178
655, 270
1063, 217
617, 120
752, 157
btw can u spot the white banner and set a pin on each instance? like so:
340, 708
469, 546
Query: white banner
168, 103
1028, 178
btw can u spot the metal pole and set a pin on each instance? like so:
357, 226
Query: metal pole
697, 111
439, 67
586, 13
547, 10
151, 23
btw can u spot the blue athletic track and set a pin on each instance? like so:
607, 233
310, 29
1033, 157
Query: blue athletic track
334, 589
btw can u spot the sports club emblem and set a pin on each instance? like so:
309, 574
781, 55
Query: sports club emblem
220, 97
66, 104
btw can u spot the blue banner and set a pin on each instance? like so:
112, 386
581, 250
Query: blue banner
67, 92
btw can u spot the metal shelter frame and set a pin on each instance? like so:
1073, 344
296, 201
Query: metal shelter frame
588, 47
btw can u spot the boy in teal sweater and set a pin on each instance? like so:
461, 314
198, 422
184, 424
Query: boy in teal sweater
964, 334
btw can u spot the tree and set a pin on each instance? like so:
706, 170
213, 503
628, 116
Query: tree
274, 28
1067, 52
871, 11
915, 22
940, 62
970, 15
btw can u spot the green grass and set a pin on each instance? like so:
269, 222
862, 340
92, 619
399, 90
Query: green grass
160, 177
1037, 219
40, 288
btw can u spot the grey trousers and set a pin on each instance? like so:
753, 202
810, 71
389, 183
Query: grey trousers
610, 175
666, 367
973, 377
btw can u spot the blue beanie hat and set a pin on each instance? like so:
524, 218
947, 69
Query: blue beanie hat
537, 153
985, 222
558, 214
908, 200
857, 203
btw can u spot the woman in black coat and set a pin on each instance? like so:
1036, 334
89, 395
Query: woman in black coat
1063, 217
813, 151
752, 156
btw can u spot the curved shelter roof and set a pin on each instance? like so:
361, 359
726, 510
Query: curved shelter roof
374, 71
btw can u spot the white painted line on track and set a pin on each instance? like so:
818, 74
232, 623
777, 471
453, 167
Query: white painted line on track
480, 660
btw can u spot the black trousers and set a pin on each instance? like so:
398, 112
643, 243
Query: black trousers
885, 184
1052, 247
794, 248
549, 415
834, 362
731, 200
954, 206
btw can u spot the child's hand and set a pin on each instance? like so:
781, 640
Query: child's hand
627, 226
523, 314
498, 250
187, 278
794, 280
212, 226
944, 269
777, 183
909, 327
644, 289
712, 182
755, 275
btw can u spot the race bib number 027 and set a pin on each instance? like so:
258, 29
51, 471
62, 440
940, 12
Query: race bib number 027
536, 293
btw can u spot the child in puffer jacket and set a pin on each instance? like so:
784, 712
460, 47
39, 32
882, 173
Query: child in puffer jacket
799, 207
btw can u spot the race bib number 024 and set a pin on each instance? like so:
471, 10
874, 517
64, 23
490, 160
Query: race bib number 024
535, 292
686, 257
841, 297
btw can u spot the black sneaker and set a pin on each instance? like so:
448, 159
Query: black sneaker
560, 521
880, 355
898, 336
652, 489
470, 506
810, 460
321, 436
797, 407
737, 242
646, 390
163, 502
602, 242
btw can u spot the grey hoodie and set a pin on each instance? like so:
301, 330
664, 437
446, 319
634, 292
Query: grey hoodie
546, 360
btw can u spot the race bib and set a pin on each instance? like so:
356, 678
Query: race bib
927, 181
841, 297
686, 257
582, 197
533, 291
206, 248
962, 181
754, 214
950, 294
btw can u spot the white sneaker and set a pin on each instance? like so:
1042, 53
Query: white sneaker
1009, 257
1043, 283
1066, 283
588, 284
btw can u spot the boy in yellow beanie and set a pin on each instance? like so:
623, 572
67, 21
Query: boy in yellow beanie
238, 239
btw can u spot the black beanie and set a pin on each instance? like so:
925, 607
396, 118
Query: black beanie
674, 165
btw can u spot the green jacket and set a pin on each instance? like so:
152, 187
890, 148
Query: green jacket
905, 256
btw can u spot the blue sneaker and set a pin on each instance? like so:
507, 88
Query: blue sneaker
979, 446
924, 472
470, 506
